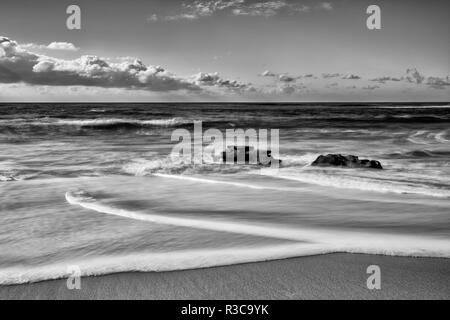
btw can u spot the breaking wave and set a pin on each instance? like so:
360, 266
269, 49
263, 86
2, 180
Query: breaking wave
356, 182
306, 242
105, 123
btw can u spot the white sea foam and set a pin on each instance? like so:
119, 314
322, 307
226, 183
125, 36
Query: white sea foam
354, 182
158, 262
440, 137
345, 241
303, 160
307, 242
15, 177
113, 121
410, 107
4, 178
224, 182
142, 167
416, 137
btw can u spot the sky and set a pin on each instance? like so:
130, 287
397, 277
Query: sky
225, 50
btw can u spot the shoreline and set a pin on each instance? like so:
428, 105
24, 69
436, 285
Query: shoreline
325, 276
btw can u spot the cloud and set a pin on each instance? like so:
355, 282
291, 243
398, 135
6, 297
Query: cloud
287, 90
265, 9
268, 8
413, 76
286, 78
153, 18
268, 73
183, 16
384, 79
20, 65
215, 80
351, 76
283, 81
326, 6
282, 89
438, 83
282, 77
330, 75
63, 46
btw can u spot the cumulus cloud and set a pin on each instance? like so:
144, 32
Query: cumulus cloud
330, 75
351, 76
438, 83
283, 81
153, 18
286, 78
326, 6
413, 76
267, 8
20, 65
287, 90
283, 89
215, 80
384, 79
63, 46
281, 77
268, 73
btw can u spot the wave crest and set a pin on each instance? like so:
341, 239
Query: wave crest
114, 123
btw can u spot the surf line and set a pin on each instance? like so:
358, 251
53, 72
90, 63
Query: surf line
223, 226
231, 183
333, 240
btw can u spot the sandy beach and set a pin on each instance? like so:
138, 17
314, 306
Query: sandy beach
331, 276
224, 150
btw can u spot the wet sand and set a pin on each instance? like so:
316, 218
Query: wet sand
330, 276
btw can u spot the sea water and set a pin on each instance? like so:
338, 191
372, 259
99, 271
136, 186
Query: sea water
93, 185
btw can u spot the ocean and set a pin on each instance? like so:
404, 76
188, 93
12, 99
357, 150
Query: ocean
94, 186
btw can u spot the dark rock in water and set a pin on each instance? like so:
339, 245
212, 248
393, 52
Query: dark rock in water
345, 161
248, 155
